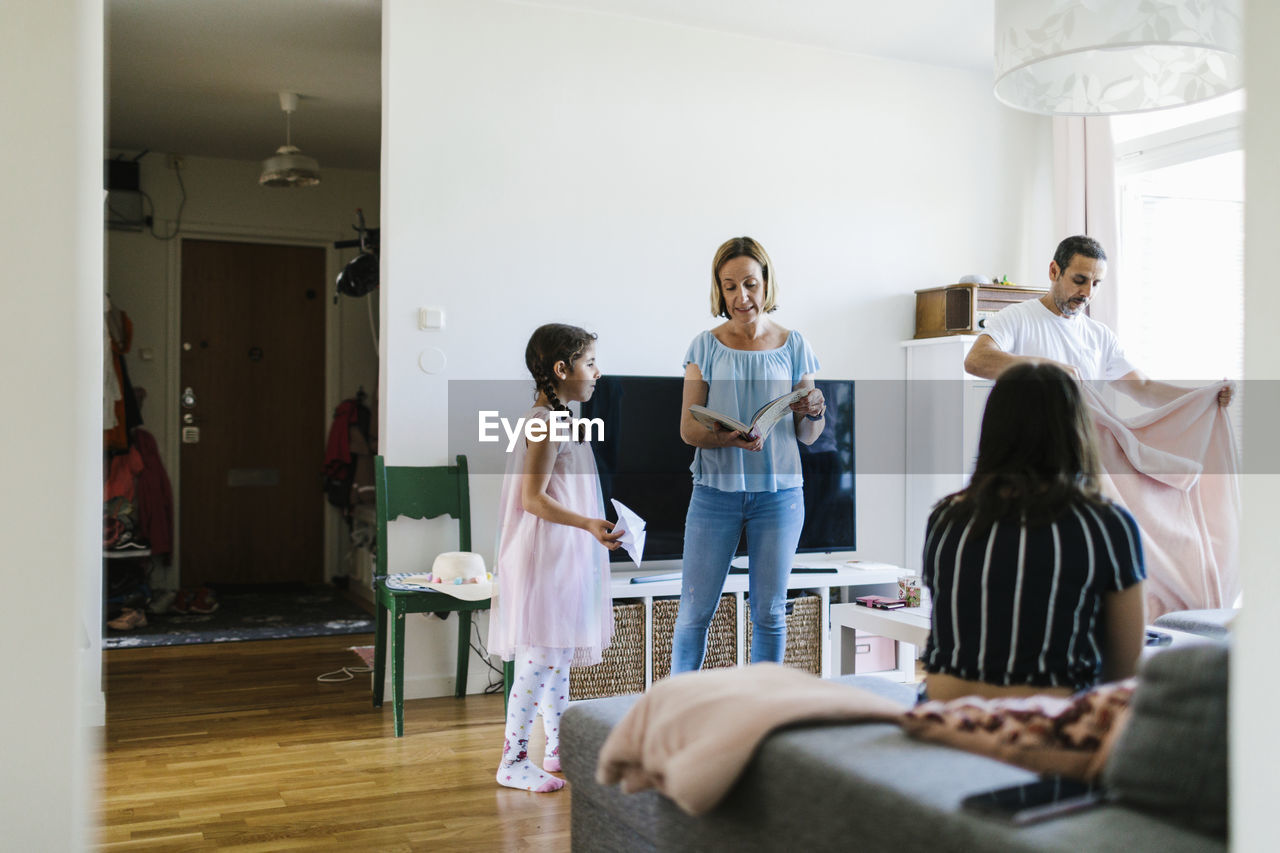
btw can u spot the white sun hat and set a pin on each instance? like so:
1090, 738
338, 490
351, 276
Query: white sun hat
457, 573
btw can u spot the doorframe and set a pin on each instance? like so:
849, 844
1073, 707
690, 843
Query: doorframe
313, 238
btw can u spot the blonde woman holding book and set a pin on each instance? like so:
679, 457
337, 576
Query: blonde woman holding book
743, 482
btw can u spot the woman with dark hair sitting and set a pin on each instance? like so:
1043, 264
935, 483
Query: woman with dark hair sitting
1036, 578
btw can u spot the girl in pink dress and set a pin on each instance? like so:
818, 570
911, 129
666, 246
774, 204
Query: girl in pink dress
552, 606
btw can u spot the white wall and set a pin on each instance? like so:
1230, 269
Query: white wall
51, 359
1255, 750
224, 201
542, 164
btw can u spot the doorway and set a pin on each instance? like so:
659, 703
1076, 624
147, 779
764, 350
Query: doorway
252, 394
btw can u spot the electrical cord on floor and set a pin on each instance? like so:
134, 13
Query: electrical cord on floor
477, 645
345, 674
479, 648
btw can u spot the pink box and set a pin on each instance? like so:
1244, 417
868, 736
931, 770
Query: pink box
874, 654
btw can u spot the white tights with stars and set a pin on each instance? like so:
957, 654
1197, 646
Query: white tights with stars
541, 688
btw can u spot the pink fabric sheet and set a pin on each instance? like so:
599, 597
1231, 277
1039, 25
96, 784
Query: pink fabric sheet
1174, 469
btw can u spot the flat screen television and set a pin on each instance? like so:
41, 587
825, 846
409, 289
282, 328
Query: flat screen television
644, 464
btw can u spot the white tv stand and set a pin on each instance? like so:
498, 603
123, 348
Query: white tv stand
859, 573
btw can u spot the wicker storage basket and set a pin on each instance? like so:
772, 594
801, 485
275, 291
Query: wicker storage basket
804, 634
621, 669
722, 637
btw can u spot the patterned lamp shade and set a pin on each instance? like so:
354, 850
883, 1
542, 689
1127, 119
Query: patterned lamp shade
289, 168
1094, 57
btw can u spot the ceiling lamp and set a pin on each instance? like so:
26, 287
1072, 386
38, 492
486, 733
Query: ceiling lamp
1093, 57
290, 167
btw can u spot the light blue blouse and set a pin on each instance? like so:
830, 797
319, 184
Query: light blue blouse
740, 382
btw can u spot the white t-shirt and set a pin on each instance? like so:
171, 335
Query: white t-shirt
1029, 328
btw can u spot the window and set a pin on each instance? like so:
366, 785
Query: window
1180, 303
1183, 229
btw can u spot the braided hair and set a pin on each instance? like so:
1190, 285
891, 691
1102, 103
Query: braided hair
549, 344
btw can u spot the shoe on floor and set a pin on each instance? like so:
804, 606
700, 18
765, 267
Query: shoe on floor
182, 602
128, 619
162, 601
204, 601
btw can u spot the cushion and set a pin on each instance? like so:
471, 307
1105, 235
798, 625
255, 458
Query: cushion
1048, 734
1171, 757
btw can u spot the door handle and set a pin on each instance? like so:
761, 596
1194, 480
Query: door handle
188, 398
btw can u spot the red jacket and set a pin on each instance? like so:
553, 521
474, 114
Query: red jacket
154, 496
339, 449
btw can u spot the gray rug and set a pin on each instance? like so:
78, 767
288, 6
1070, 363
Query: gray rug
246, 613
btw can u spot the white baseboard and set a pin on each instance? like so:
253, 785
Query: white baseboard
422, 686
433, 686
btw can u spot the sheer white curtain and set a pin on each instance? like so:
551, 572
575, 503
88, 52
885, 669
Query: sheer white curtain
1084, 183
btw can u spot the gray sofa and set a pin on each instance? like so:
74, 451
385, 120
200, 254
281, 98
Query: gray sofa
869, 787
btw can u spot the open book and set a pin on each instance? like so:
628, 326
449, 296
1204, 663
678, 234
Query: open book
763, 421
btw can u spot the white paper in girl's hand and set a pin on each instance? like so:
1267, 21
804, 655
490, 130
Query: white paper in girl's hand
632, 525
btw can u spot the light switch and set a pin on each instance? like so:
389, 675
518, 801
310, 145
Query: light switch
430, 318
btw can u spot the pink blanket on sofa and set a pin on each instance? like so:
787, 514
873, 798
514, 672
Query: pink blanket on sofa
690, 736
1174, 468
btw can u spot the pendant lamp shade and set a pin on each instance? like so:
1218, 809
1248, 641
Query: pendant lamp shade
1095, 57
289, 167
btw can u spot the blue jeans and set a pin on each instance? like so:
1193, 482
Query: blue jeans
712, 528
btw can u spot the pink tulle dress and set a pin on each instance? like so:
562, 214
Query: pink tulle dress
552, 581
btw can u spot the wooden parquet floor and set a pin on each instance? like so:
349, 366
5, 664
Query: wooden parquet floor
236, 745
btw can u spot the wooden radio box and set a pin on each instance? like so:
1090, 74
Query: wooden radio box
962, 309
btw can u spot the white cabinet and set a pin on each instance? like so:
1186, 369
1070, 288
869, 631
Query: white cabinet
944, 417
862, 577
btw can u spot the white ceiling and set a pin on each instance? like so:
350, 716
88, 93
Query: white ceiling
954, 33
200, 77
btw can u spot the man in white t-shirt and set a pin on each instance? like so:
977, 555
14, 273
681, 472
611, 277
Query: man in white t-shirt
1054, 329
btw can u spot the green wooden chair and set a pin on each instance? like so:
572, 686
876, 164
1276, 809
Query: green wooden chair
419, 492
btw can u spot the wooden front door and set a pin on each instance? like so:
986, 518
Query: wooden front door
252, 413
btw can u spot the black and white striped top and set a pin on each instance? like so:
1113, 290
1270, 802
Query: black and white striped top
1021, 604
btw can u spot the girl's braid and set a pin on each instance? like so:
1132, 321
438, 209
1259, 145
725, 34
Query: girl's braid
545, 384
549, 344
